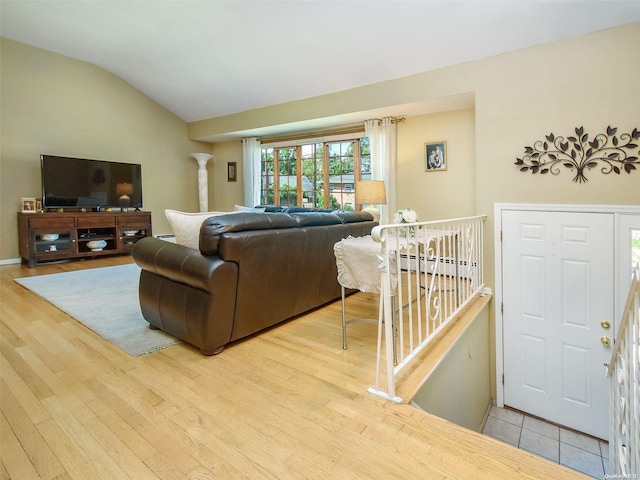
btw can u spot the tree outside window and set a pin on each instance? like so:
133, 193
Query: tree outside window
315, 175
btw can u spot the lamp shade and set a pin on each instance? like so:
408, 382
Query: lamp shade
371, 192
124, 189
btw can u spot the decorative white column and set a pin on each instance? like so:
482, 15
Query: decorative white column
203, 183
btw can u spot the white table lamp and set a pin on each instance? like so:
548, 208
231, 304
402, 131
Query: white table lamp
370, 193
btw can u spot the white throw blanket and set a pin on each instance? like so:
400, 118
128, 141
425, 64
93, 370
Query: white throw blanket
358, 261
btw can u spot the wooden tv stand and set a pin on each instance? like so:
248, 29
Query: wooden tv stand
120, 231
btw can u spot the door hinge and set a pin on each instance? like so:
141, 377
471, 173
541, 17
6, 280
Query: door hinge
503, 378
502, 308
500, 235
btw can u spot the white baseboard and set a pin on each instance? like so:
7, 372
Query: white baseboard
10, 261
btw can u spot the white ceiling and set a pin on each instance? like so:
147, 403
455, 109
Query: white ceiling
204, 59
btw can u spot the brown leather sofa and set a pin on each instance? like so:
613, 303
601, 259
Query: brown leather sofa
252, 271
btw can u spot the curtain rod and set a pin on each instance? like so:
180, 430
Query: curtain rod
343, 130
393, 119
346, 129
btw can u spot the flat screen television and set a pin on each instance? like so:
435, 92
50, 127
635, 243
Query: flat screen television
84, 183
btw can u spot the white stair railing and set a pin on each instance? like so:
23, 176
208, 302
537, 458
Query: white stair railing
624, 374
430, 271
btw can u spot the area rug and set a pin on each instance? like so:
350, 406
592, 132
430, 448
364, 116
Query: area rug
104, 300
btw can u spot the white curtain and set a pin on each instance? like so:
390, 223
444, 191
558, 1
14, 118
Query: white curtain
382, 139
251, 170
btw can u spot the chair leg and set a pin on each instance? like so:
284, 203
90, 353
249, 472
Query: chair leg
344, 322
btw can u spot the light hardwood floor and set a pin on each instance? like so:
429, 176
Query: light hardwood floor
288, 403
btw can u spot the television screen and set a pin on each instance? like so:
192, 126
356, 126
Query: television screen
84, 183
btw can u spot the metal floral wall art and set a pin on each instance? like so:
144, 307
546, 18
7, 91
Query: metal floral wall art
610, 151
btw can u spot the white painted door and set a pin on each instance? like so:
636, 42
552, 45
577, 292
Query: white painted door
558, 278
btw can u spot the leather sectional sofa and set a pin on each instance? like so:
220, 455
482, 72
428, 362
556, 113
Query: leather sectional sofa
251, 271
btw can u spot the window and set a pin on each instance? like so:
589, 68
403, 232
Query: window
314, 175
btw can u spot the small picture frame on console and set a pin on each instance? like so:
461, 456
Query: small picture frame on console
28, 205
232, 171
435, 156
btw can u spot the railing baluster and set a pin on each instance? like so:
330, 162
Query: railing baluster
441, 265
624, 373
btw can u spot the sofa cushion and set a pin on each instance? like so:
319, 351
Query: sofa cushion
186, 226
240, 208
271, 208
293, 209
310, 219
354, 217
213, 228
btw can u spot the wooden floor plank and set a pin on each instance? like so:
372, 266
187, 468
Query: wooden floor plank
70, 454
286, 404
37, 450
123, 430
20, 388
15, 460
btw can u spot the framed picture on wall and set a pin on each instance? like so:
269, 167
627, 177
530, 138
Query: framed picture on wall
435, 156
232, 171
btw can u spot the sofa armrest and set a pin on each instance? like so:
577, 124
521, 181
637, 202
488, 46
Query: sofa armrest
177, 262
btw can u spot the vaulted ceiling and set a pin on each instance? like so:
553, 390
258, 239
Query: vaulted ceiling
204, 59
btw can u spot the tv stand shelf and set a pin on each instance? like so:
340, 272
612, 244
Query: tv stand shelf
62, 235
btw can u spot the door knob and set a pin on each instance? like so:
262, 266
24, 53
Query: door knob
605, 324
605, 341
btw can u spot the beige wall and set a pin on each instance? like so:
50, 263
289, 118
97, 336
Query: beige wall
434, 196
464, 398
57, 105
441, 194
520, 97
555, 89
226, 194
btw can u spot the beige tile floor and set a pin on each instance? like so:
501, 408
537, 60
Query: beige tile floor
574, 450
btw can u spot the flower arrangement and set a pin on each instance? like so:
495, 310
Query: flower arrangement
406, 215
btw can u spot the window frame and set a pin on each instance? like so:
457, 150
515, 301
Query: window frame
326, 191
